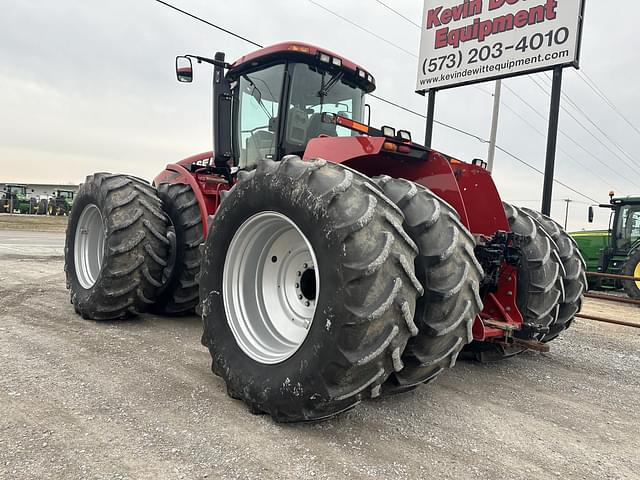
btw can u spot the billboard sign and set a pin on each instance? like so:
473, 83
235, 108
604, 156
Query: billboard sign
469, 41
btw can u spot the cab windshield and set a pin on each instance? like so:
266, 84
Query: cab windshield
312, 92
628, 226
17, 190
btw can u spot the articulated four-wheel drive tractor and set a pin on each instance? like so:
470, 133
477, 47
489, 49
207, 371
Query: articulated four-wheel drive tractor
331, 261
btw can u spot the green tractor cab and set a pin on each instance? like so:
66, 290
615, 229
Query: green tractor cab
60, 202
617, 250
16, 200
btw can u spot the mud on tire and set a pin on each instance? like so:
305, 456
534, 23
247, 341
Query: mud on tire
364, 306
180, 291
450, 274
574, 277
117, 221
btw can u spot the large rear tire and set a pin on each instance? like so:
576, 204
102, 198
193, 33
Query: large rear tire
574, 277
350, 312
179, 294
450, 274
116, 247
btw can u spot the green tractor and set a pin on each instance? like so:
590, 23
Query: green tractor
60, 202
617, 250
16, 200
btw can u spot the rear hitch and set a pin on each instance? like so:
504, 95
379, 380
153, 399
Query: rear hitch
493, 253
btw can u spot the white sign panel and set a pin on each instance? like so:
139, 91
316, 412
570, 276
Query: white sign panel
476, 40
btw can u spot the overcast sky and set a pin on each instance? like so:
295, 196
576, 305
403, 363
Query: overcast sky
90, 86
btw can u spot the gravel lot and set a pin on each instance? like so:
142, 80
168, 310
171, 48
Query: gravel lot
41, 223
137, 400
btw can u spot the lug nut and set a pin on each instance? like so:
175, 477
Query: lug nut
299, 274
304, 266
297, 285
307, 304
300, 297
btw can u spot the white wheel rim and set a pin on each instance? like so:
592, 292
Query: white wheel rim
270, 287
88, 248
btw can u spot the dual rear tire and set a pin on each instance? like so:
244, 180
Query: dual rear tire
130, 248
551, 281
116, 247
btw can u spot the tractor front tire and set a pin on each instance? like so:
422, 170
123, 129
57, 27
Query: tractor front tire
574, 277
42, 207
116, 247
632, 269
308, 289
450, 274
179, 294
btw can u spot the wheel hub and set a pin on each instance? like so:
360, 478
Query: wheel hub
270, 286
88, 247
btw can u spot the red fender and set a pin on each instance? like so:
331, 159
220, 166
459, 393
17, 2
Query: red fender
206, 187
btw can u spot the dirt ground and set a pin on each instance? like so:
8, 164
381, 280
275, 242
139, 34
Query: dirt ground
41, 223
137, 400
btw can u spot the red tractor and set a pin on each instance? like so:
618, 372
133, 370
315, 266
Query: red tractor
331, 261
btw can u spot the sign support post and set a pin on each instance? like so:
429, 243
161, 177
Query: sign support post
431, 108
552, 139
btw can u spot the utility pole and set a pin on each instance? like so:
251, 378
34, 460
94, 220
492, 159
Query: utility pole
494, 125
566, 212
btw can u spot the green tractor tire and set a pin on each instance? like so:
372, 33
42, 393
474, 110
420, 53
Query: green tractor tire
632, 269
42, 207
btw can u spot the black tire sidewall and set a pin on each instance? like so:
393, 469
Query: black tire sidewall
84, 299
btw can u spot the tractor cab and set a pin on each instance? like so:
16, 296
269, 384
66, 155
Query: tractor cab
273, 102
65, 194
624, 224
609, 250
626, 227
18, 191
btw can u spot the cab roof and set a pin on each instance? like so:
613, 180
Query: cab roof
624, 200
306, 53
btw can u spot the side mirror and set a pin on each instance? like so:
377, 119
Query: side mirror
590, 214
184, 69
